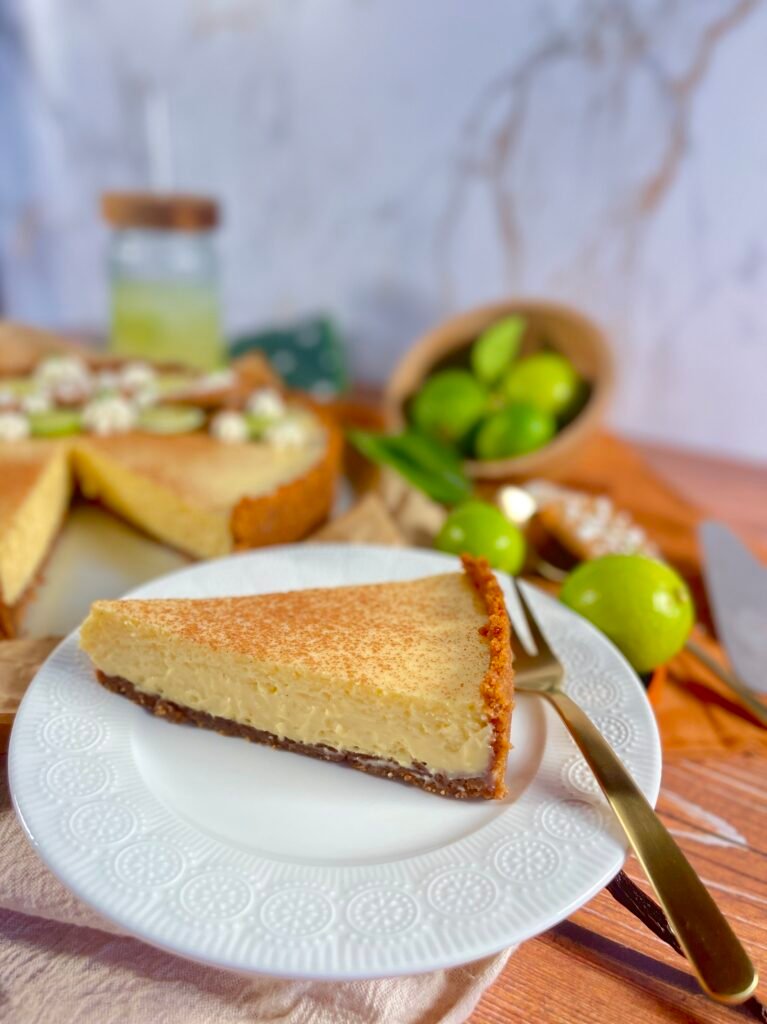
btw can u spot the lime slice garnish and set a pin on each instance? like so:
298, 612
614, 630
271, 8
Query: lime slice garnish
495, 348
55, 423
174, 383
19, 387
171, 419
257, 424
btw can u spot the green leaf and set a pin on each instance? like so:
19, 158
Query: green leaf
426, 465
427, 451
496, 347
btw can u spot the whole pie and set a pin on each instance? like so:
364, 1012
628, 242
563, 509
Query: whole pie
210, 465
409, 681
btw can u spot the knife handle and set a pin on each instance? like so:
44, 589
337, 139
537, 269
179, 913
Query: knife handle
744, 693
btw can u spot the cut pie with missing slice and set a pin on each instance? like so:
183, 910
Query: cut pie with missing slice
207, 463
410, 681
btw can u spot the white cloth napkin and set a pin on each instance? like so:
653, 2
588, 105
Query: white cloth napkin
62, 962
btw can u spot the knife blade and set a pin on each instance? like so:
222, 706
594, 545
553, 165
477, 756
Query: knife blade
736, 584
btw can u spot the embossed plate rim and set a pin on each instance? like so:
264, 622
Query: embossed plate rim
442, 907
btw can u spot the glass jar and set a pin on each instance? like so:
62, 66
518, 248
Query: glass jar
164, 279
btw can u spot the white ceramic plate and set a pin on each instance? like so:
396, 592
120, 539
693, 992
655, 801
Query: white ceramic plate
263, 861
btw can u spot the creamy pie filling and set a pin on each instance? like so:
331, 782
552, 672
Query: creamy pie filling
183, 495
29, 531
450, 738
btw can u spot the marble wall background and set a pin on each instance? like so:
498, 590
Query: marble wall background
391, 161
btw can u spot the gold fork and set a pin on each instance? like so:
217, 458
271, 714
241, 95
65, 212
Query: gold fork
719, 961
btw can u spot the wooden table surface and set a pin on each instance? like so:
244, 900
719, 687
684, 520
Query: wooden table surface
602, 964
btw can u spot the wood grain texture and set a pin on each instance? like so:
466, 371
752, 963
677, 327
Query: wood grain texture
735, 492
602, 964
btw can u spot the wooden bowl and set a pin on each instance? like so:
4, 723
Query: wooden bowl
550, 325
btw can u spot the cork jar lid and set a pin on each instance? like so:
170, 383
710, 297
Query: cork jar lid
163, 211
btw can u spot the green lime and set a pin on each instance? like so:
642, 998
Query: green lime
514, 431
482, 529
55, 423
641, 604
495, 348
449, 404
171, 419
546, 380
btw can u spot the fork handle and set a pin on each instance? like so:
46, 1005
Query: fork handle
720, 962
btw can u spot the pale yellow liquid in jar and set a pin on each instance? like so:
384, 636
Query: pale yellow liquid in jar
167, 322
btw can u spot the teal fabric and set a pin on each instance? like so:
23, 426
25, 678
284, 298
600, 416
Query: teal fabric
309, 355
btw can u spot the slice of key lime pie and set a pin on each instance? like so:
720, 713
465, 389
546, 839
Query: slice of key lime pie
409, 681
